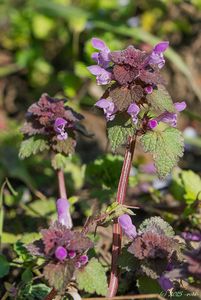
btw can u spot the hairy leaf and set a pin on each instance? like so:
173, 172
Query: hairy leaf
79, 242
151, 77
166, 146
121, 96
60, 235
59, 161
129, 56
161, 100
65, 146
31, 146
36, 248
157, 225
119, 130
59, 275
92, 278
124, 74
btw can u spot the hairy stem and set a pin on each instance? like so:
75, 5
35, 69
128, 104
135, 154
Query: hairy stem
117, 233
63, 194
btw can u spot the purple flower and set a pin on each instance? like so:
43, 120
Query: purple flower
63, 211
156, 57
152, 123
77, 264
127, 226
148, 89
102, 58
165, 283
83, 259
180, 106
108, 108
61, 253
133, 110
189, 236
171, 118
102, 76
59, 127
71, 254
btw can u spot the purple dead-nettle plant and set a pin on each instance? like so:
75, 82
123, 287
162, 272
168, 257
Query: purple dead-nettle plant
137, 105
51, 120
64, 251
52, 125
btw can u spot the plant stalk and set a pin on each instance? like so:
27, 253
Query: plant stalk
63, 194
52, 294
117, 232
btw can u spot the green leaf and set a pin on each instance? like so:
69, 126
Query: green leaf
27, 275
65, 146
59, 161
119, 130
186, 186
31, 146
9, 238
161, 100
22, 252
39, 291
192, 186
92, 278
4, 266
147, 285
127, 262
166, 146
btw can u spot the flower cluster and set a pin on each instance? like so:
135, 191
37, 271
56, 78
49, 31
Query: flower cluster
154, 246
167, 117
133, 75
60, 244
53, 119
62, 249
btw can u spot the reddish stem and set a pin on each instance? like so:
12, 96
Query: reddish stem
62, 187
52, 294
117, 233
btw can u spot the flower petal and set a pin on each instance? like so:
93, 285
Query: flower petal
152, 123
94, 56
180, 105
62, 210
98, 44
127, 226
161, 47
95, 70
103, 103
133, 109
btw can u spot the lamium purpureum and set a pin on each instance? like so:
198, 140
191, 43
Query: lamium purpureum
135, 104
